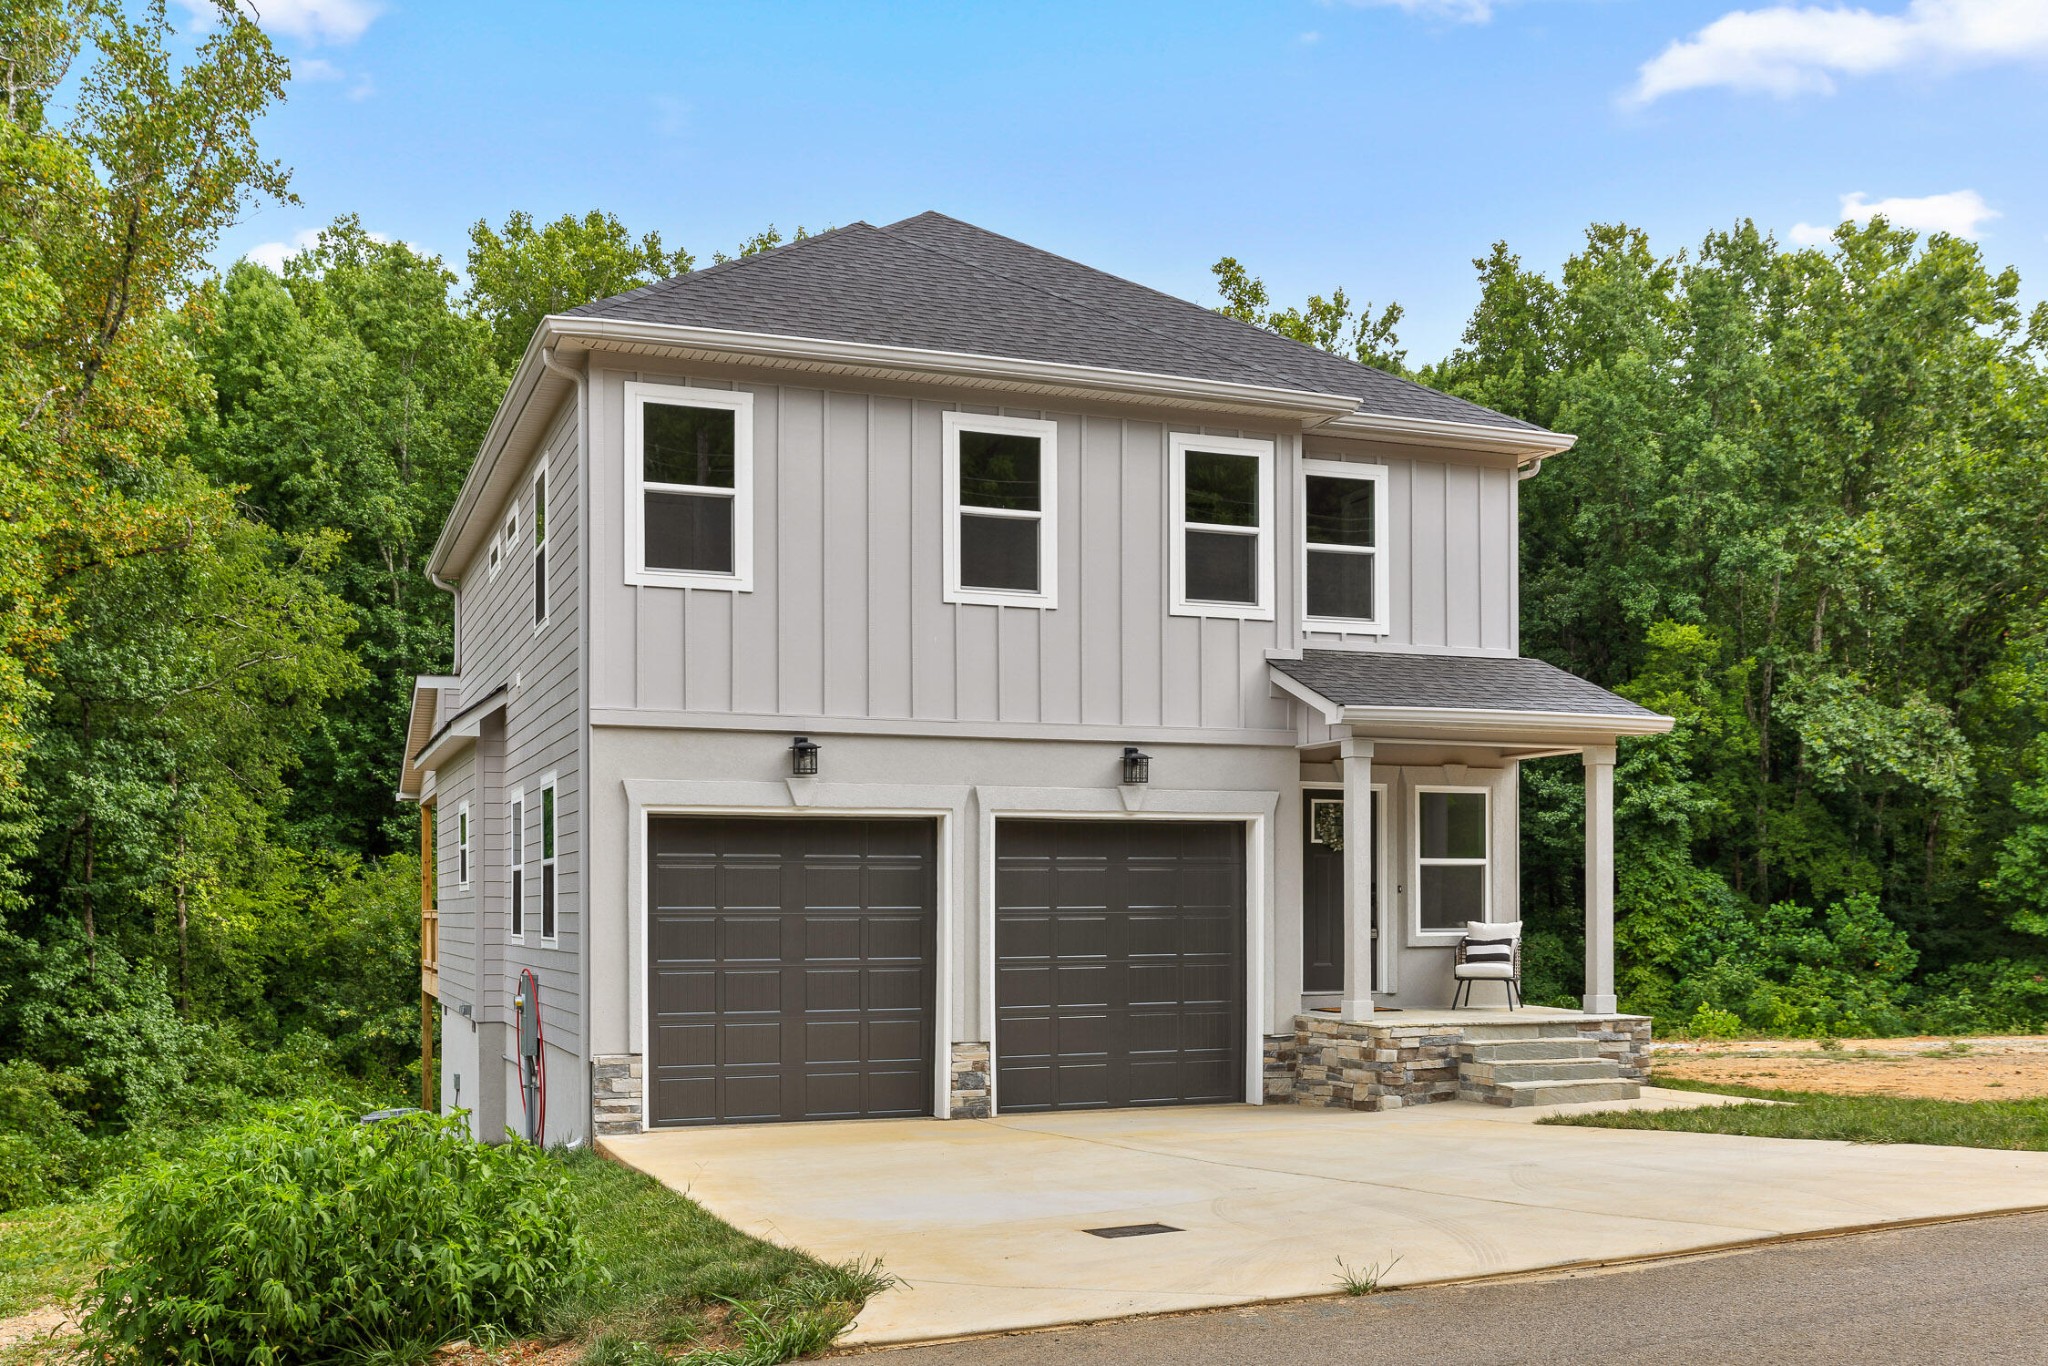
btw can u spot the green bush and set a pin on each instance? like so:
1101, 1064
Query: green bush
307, 1236
43, 1155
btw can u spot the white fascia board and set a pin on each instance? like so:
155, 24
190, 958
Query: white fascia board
1527, 443
1304, 405
460, 732
531, 380
1478, 722
1331, 712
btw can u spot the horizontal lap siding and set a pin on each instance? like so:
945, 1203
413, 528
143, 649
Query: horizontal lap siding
847, 617
542, 729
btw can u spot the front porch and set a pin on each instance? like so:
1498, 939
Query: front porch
1400, 1058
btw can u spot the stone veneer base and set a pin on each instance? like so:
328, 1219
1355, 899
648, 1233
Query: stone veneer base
968, 1081
615, 1087
1352, 1065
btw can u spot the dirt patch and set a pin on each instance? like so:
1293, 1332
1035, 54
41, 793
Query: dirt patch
52, 1320
2006, 1068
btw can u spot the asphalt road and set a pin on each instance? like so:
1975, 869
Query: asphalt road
1962, 1292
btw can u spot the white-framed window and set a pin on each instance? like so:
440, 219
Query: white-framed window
508, 537
1002, 510
516, 810
1220, 527
497, 554
1453, 870
462, 845
540, 546
547, 861
1343, 528
689, 480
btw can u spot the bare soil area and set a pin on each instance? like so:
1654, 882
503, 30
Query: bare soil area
2013, 1067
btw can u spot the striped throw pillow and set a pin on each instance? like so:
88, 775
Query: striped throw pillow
1489, 950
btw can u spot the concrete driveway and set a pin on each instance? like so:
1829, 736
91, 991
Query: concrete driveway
985, 1221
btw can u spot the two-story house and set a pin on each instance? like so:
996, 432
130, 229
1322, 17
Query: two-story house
910, 673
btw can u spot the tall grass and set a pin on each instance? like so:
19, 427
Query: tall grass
2011, 1124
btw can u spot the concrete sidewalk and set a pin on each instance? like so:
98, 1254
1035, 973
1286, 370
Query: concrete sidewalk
985, 1221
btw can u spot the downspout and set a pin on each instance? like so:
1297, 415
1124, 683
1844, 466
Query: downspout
588, 1065
1532, 469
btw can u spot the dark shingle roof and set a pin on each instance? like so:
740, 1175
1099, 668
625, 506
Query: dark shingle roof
1353, 678
933, 282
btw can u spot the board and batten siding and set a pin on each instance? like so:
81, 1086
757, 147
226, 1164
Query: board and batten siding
542, 730
847, 617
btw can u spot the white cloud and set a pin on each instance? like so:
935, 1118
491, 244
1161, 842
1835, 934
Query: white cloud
316, 69
1308, 39
1797, 49
272, 255
311, 21
1462, 11
1961, 213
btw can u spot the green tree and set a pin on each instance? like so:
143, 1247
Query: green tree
519, 273
1329, 324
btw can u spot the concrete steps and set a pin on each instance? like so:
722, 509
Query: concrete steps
1539, 1066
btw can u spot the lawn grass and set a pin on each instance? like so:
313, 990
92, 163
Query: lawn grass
671, 1276
2009, 1124
49, 1252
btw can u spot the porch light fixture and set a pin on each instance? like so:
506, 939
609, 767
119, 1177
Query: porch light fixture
803, 757
1137, 765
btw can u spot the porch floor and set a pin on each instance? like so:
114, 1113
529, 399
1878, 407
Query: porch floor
986, 1221
1471, 1015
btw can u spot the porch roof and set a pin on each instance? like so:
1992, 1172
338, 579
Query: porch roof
1469, 696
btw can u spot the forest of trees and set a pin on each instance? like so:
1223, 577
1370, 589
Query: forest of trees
1807, 515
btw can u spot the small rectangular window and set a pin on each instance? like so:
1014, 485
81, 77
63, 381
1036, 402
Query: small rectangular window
689, 480
1452, 840
1342, 519
547, 863
462, 845
540, 546
1001, 546
518, 869
1222, 514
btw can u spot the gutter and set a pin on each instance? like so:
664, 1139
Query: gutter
1532, 444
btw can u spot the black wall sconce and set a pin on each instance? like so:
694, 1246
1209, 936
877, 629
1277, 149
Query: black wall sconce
1137, 765
803, 757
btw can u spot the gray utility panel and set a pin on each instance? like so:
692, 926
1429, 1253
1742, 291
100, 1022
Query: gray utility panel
1120, 963
791, 966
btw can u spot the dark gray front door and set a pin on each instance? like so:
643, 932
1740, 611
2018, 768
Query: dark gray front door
1119, 963
1322, 890
791, 968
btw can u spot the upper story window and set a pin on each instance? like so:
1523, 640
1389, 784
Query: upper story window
540, 546
462, 845
1453, 876
1002, 510
689, 482
1220, 494
1343, 575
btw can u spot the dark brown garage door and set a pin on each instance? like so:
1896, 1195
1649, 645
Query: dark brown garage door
791, 969
1119, 964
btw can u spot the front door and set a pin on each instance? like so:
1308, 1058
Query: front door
1322, 890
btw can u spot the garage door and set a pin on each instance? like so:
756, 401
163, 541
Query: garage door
791, 969
1119, 964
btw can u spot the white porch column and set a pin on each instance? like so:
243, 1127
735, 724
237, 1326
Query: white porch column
1358, 874
1599, 762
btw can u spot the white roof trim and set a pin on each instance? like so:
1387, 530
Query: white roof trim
1529, 443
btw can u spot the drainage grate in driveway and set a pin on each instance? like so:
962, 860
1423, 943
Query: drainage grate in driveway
1132, 1230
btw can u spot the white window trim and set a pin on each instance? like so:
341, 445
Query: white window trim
545, 543
496, 555
1177, 525
741, 405
515, 866
1376, 475
1047, 515
462, 847
1419, 935
549, 863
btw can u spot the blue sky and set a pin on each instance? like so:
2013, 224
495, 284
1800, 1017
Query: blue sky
1378, 144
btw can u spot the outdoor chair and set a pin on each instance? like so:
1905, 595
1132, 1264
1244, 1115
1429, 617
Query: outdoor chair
1489, 953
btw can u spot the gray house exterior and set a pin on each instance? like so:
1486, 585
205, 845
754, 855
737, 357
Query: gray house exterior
978, 522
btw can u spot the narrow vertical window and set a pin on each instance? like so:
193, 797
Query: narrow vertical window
1001, 541
540, 546
462, 845
518, 871
689, 483
1343, 577
1222, 509
1452, 877
547, 863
